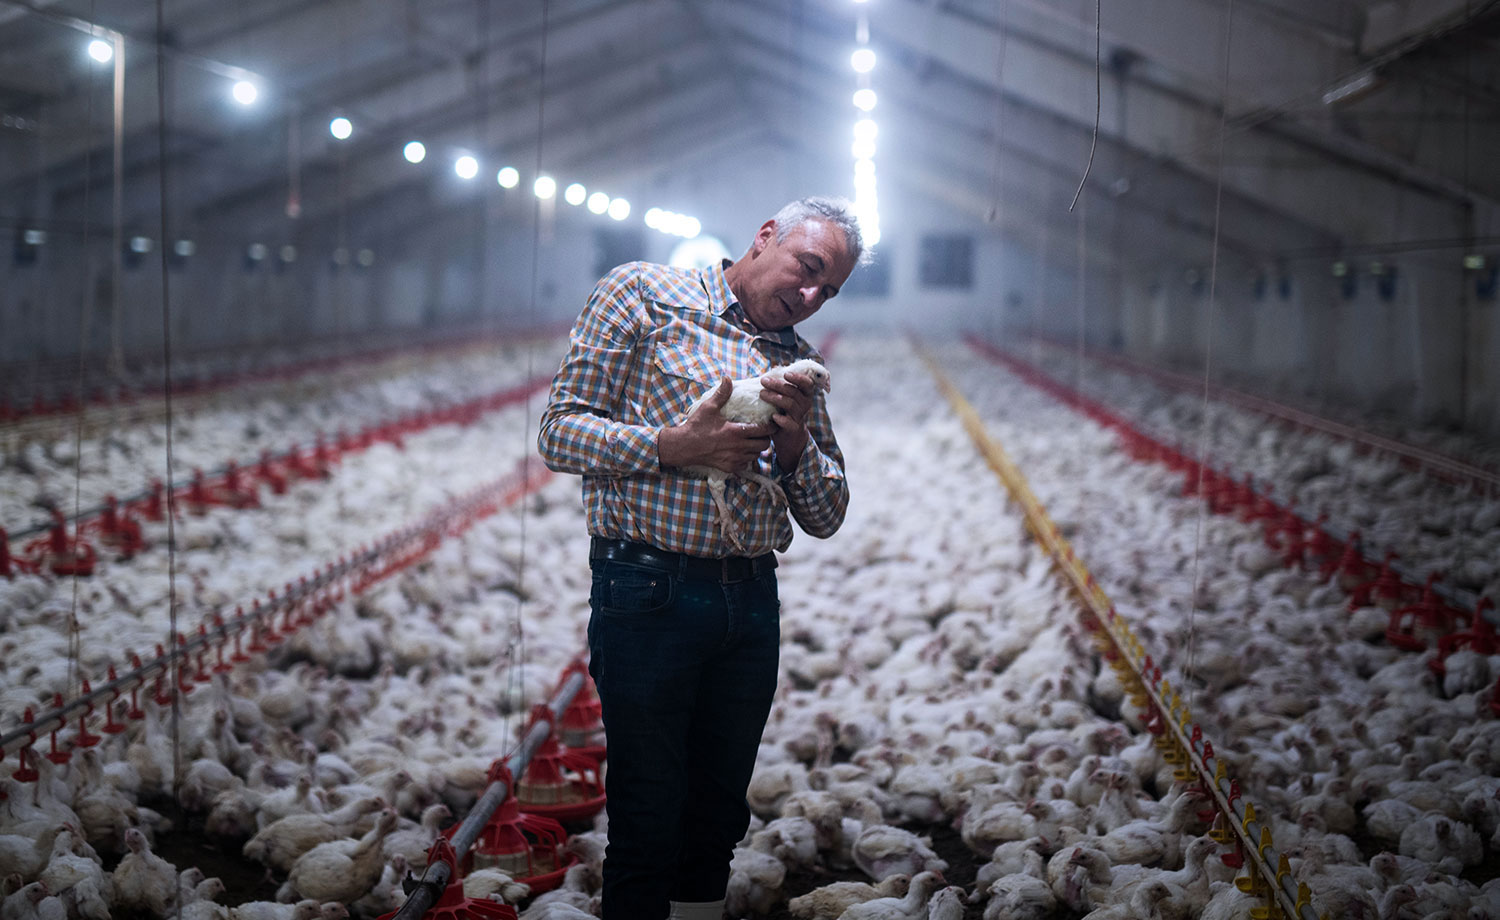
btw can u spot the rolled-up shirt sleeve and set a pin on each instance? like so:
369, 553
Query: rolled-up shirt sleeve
816, 491
579, 433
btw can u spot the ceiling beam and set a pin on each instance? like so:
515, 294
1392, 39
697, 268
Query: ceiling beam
1339, 197
987, 126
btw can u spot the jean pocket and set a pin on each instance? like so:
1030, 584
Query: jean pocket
623, 590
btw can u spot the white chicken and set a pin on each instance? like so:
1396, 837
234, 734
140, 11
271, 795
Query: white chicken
1019, 896
143, 880
306, 909
490, 884
279, 843
340, 870
746, 407
913, 906
882, 850
755, 882
830, 901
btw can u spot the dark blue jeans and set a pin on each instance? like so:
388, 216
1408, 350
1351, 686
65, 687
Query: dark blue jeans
686, 671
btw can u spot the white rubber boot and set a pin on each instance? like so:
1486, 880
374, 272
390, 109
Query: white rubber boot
697, 910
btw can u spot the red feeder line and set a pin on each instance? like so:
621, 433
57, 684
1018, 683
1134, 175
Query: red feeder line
301, 603
1387, 585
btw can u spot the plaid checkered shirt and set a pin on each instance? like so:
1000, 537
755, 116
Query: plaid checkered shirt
651, 340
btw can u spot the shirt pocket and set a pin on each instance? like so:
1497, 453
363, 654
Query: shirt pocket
683, 376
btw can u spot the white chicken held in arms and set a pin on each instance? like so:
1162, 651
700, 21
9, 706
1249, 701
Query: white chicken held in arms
746, 407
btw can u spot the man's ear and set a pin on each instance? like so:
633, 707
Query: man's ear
763, 237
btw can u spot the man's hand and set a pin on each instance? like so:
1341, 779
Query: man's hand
706, 438
793, 399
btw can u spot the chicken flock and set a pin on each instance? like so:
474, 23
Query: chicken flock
945, 743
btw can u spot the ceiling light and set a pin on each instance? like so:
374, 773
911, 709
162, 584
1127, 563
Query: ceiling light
691, 227
619, 208
864, 99
466, 166
863, 149
289, 253
545, 187
255, 252
140, 244
508, 177
184, 248
101, 50
598, 202
415, 152
863, 60
365, 258
341, 128
34, 237
653, 217
865, 129
864, 167
245, 92
575, 193
1474, 262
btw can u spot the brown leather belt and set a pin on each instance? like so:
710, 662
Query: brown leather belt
690, 568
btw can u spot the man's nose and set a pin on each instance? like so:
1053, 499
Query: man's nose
810, 295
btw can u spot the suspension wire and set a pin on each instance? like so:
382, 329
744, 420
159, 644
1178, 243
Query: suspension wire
75, 640
175, 670
1203, 422
526, 436
996, 189
1098, 95
1083, 232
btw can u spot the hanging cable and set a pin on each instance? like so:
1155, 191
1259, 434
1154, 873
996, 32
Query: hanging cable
995, 186
1083, 231
75, 641
175, 669
1208, 335
527, 439
1098, 95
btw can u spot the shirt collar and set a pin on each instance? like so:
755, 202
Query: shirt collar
723, 303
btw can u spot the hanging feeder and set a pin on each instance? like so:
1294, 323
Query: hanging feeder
525, 847
1478, 637
62, 554
561, 784
581, 727
452, 904
121, 532
1412, 626
235, 491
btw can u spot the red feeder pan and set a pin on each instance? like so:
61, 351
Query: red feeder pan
581, 727
453, 905
559, 784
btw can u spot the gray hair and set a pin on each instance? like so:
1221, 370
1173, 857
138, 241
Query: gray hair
836, 211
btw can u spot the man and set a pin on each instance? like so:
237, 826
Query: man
684, 635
